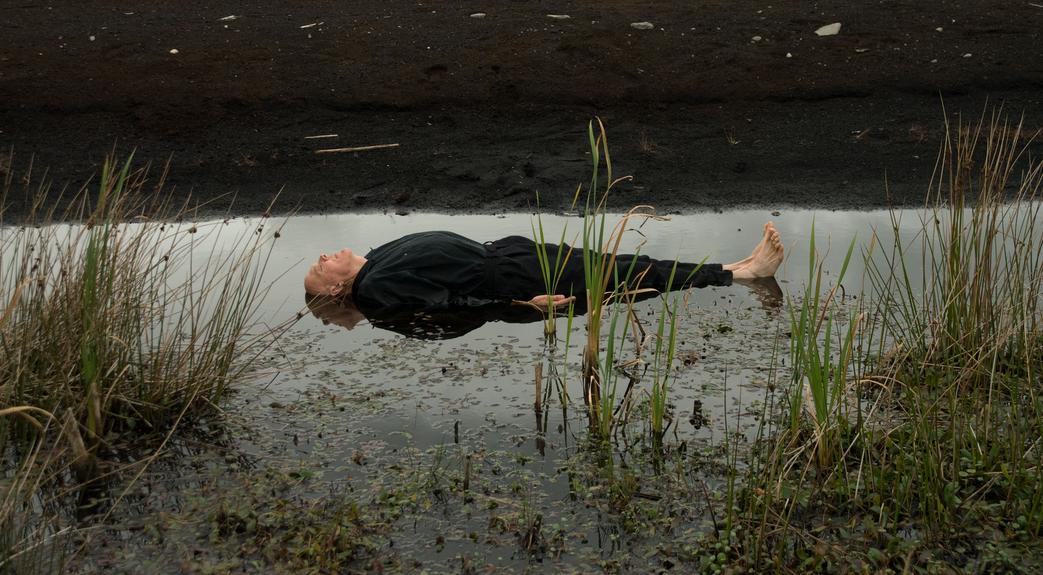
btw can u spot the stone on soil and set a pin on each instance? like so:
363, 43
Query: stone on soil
829, 29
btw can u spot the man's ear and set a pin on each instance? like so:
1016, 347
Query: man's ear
336, 289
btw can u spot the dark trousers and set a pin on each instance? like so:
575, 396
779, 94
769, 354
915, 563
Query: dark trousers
517, 271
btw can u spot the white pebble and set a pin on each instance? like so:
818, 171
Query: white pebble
829, 29
91, 37
174, 51
967, 55
478, 15
642, 25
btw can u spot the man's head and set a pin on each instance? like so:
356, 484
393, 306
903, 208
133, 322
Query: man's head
333, 274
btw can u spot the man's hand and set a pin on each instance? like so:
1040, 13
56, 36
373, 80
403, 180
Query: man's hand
559, 300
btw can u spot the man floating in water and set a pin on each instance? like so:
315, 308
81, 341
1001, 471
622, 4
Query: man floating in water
441, 270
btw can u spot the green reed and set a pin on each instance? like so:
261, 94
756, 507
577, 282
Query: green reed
27, 544
116, 320
941, 389
664, 351
550, 271
964, 342
820, 372
607, 286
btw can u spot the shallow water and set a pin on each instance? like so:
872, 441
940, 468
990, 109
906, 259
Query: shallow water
726, 329
359, 406
372, 412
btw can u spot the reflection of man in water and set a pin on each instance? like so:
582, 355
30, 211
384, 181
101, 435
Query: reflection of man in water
435, 271
421, 324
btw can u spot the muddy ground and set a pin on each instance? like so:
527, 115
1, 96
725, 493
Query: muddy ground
719, 104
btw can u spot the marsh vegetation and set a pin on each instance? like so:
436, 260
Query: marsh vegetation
113, 332
892, 422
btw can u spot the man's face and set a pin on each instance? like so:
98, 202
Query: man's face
332, 274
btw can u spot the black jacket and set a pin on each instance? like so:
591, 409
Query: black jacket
440, 270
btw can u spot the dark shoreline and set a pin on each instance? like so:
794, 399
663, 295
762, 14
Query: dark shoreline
702, 115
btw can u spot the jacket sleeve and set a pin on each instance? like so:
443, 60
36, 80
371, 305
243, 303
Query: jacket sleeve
404, 289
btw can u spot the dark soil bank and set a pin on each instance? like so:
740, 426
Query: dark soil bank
718, 104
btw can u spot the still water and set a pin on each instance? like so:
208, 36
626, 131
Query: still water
357, 406
369, 411
428, 390
728, 328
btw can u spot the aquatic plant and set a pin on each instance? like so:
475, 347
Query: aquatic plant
963, 343
821, 376
663, 358
605, 284
31, 541
116, 326
550, 271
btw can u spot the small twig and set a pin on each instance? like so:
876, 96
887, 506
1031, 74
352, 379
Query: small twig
539, 385
321, 136
355, 149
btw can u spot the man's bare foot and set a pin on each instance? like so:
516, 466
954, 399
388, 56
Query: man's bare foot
768, 227
764, 260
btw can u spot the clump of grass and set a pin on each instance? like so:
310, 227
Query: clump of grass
609, 300
821, 376
949, 455
31, 540
664, 351
605, 284
965, 341
977, 301
116, 325
550, 272
662, 362
118, 319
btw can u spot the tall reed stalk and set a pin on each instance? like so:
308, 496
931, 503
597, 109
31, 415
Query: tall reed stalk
550, 271
118, 319
605, 284
663, 358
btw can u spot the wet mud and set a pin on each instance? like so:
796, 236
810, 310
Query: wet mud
714, 106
